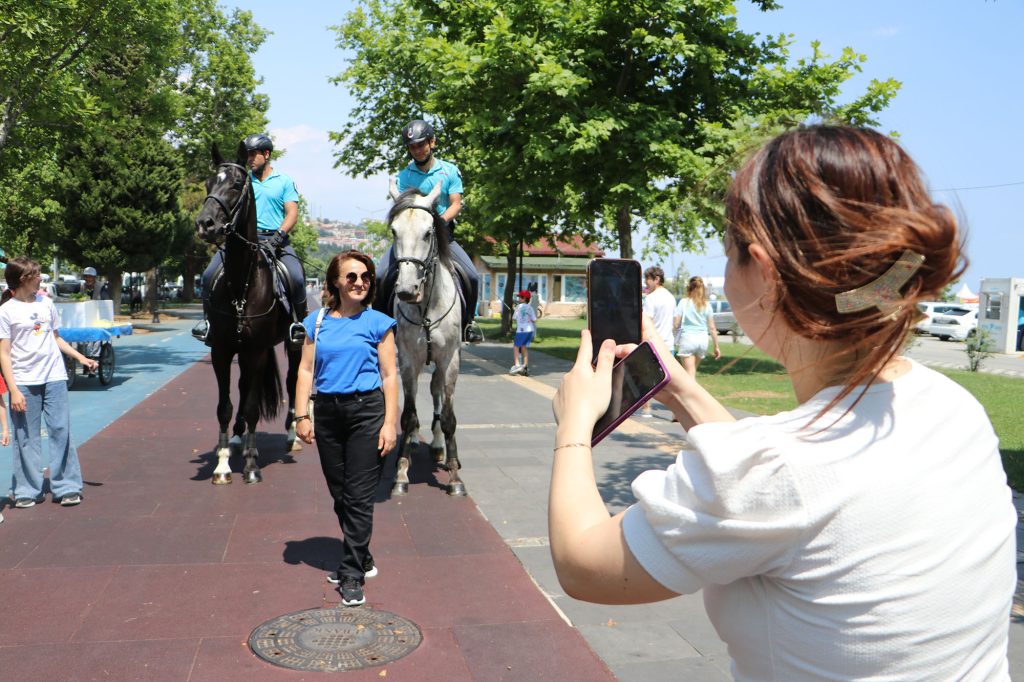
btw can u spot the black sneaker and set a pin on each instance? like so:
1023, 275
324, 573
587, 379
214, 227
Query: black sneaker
71, 499
24, 502
473, 333
352, 592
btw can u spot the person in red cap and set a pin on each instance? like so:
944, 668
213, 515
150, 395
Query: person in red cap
526, 325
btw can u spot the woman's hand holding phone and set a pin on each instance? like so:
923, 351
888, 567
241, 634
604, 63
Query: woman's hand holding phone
584, 393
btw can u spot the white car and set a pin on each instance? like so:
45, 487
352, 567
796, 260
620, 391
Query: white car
725, 321
930, 309
957, 323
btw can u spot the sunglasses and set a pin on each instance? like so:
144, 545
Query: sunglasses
352, 277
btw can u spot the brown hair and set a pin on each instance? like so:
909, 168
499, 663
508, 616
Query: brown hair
334, 272
834, 207
18, 270
654, 272
696, 292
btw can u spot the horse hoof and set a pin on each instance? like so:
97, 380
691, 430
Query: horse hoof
221, 479
252, 477
400, 489
457, 490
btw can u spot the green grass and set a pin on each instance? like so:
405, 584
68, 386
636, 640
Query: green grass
747, 379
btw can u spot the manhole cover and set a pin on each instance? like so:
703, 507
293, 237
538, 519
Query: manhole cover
334, 640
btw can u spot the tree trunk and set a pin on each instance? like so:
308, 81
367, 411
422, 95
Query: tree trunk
151, 291
114, 282
188, 273
507, 295
624, 229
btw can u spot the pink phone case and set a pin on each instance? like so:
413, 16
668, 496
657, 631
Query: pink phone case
630, 409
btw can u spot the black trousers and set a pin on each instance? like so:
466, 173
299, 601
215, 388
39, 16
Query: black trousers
347, 428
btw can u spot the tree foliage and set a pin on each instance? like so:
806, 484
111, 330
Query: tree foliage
585, 116
146, 86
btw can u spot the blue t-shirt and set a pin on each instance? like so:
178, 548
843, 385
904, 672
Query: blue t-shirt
271, 196
346, 350
441, 172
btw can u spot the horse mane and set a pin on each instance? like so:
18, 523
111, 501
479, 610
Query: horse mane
406, 200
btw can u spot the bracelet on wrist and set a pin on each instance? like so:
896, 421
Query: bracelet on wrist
572, 445
300, 417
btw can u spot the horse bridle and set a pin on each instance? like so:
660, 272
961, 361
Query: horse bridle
427, 267
432, 255
231, 226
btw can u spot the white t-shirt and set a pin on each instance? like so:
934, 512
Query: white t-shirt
881, 549
526, 319
660, 304
35, 357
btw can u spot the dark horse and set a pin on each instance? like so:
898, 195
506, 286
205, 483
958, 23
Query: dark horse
246, 319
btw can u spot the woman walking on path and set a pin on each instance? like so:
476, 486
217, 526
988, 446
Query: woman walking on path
694, 323
32, 364
349, 357
867, 534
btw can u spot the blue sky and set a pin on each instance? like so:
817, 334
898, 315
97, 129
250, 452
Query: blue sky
958, 113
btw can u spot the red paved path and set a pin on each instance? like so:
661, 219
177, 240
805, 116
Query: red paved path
161, 576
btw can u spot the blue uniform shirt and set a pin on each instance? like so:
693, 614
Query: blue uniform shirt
271, 195
346, 351
441, 172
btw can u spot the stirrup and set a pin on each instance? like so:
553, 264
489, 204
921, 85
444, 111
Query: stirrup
296, 335
473, 333
201, 331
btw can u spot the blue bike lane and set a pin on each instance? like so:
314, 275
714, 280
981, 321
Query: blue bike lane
144, 362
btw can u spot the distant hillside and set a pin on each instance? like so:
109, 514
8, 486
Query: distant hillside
339, 235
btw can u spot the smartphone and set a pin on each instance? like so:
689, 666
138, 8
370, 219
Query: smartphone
613, 301
635, 379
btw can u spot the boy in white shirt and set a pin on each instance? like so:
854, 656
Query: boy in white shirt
526, 326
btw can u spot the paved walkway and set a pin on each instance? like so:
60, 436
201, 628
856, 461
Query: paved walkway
159, 575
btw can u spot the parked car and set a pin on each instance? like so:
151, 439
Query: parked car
932, 308
957, 323
725, 321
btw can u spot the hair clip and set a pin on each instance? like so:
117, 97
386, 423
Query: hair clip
884, 292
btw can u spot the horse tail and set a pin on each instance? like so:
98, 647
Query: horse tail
270, 389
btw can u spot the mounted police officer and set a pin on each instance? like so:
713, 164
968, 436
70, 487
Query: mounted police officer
277, 211
423, 173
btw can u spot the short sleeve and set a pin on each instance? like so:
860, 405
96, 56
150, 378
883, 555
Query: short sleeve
455, 180
54, 315
384, 323
5, 325
730, 509
290, 192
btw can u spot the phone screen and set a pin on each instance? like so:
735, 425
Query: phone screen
635, 379
613, 301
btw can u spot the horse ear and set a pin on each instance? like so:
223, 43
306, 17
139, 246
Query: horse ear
434, 194
393, 189
241, 154
215, 152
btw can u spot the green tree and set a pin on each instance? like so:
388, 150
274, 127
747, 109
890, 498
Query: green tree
125, 202
585, 116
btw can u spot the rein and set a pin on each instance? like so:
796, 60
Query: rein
428, 268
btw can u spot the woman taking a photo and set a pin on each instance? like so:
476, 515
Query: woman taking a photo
30, 356
349, 357
867, 533
694, 323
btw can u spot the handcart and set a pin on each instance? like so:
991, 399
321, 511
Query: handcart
94, 343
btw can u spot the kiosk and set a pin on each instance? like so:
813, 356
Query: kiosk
1001, 312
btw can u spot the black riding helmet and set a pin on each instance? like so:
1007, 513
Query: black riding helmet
258, 142
416, 131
